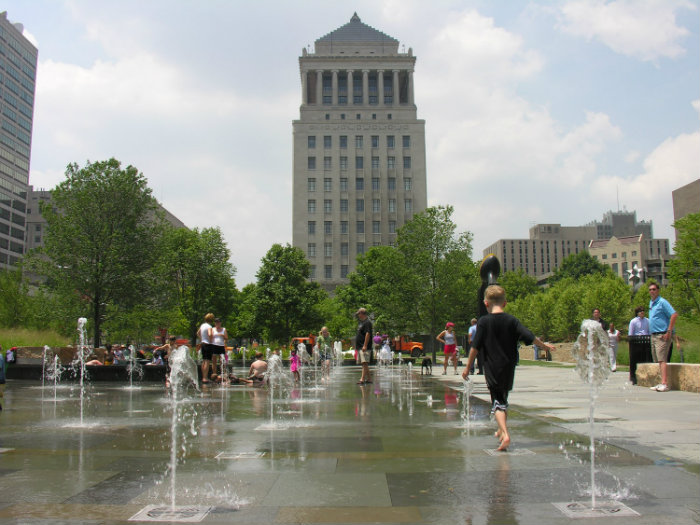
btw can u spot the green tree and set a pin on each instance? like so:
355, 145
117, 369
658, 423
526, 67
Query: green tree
196, 264
577, 265
103, 232
684, 269
518, 284
286, 303
14, 299
437, 258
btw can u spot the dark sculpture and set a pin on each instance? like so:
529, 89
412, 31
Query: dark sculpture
490, 270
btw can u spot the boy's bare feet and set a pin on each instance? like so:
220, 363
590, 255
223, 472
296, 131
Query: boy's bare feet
497, 435
505, 441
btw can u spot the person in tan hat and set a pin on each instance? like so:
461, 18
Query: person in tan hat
363, 344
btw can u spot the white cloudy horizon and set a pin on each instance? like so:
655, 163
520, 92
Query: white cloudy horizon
537, 112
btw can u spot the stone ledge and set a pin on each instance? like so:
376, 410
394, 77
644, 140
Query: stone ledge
681, 376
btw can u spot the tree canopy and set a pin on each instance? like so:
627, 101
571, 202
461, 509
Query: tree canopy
578, 265
684, 269
103, 235
286, 303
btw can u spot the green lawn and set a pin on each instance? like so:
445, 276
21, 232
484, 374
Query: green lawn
10, 337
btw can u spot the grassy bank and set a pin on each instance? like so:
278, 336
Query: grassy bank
10, 337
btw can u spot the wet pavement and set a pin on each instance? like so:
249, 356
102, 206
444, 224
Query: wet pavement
400, 450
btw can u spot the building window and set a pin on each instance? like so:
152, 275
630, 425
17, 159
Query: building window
359, 163
328, 271
343, 142
327, 184
392, 205
311, 141
407, 163
390, 142
344, 228
358, 116
343, 163
392, 226
358, 141
391, 162
391, 183
328, 249
375, 141
376, 205
328, 116
406, 141
327, 142
359, 205
614, 256
605, 256
375, 183
343, 184
375, 163
360, 248
376, 227
312, 227
328, 227
408, 205
344, 249
360, 183
311, 163
343, 205
360, 227
311, 206
388, 117
327, 163
327, 205
312, 272
311, 249
407, 184
343, 271
311, 184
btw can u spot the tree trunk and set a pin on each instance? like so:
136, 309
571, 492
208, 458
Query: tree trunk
96, 321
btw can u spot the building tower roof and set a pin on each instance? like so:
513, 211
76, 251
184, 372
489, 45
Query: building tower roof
356, 31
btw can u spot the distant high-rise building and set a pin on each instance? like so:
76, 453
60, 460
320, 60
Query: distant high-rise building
549, 244
686, 200
359, 149
18, 60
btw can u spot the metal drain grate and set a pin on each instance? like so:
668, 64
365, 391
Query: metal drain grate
603, 509
240, 455
511, 452
180, 514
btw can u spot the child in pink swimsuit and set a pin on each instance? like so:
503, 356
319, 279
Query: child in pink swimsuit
294, 364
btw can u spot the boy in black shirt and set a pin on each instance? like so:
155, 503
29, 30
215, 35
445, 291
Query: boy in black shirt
497, 336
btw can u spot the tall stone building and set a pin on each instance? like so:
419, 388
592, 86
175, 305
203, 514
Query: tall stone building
359, 149
18, 60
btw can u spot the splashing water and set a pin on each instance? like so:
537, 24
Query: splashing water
183, 376
81, 354
591, 353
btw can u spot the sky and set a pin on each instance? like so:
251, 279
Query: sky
536, 112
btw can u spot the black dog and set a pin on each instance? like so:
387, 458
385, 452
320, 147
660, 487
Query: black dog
427, 366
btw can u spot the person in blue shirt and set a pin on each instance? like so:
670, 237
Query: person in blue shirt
662, 319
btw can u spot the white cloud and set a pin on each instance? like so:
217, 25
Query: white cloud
644, 29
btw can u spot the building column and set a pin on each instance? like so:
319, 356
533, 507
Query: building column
395, 87
334, 87
304, 91
351, 89
365, 87
410, 87
380, 87
319, 87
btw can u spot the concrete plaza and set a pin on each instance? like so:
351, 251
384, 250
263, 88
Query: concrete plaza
399, 450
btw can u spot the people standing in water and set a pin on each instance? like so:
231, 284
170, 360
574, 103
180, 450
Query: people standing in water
294, 364
325, 345
448, 338
497, 337
363, 345
219, 336
204, 335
